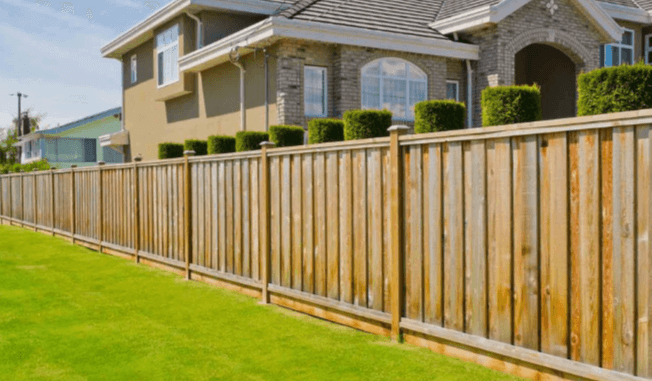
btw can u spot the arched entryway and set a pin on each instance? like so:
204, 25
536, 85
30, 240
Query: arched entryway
554, 72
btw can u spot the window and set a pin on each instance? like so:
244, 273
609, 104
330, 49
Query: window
167, 53
395, 85
618, 54
453, 90
110, 155
71, 150
134, 69
315, 91
648, 49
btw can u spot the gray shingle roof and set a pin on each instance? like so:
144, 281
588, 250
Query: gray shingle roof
408, 17
632, 4
452, 8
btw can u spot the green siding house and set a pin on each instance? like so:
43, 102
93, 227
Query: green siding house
75, 143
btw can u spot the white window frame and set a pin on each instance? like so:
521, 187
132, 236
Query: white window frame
407, 79
325, 91
648, 48
134, 69
457, 89
620, 47
163, 49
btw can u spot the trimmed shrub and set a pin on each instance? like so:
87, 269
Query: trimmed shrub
286, 136
364, 124
41, 165
199, 146
433, 116
615, 89
510, 104
170, 150
249, 140
325, 130
220, 144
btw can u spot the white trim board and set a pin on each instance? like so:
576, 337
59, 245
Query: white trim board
143, 31
492, 14
621, 12
274, 28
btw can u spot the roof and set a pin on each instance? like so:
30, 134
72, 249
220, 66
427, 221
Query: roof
406, 17
75, 124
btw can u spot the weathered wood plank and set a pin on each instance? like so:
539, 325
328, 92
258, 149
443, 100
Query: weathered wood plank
643, 248
346, 227
286, 222
585, 209
309, 247
297, 236
360, 222
275, 219
432, 236
375, 229
475, 254
553, 174
320, 225
414, 234
526, 248
237, 217
453, 237
333, 229
624, 248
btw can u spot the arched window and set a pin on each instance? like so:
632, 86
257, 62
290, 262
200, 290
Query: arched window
393, 84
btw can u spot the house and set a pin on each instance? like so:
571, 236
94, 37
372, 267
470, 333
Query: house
200, 67
74, 143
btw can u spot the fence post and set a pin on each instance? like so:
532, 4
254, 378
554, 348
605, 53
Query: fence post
35, 206
264, 220
100, 210
396, 230
187, 210
53, 199
11, 199
72, 202
136, 219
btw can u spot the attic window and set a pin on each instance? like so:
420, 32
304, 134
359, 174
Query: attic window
395, 85
167, 54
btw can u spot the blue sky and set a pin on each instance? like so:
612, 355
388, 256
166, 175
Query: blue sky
54, 56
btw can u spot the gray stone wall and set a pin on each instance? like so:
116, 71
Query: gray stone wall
567, 30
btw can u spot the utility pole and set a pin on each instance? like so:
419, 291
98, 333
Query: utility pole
18, 129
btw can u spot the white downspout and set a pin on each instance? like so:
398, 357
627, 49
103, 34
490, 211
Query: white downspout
469, 91
199, 37
235, 60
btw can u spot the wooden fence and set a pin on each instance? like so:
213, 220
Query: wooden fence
524, 248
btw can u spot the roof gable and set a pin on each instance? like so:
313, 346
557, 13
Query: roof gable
492, 12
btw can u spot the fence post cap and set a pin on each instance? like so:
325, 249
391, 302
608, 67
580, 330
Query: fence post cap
399, 128
189, 153
267, 144
73, 166
100, 163
53, 169
138, 158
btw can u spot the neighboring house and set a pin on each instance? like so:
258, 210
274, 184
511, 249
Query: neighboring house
200, 67
74, 143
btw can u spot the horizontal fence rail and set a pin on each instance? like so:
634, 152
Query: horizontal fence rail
525, 248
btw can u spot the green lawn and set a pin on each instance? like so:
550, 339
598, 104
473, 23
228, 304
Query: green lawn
67, 313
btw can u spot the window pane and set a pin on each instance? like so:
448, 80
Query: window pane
615, 56
50, 150
394, 68
649, 57
370, 93
111, 156
628, 38
161, 68
417, 94
90, 151
649, 41
373, 69
416, 73
174, 63
394, 96
315, 94
451, 91
627, 56
602, 57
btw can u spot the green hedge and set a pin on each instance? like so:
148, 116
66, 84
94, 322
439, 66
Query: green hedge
199, 146
433, 116
325, 130
286, 136
220, 144
615, 89
510, 104
249, 140
170, 150
40, 165
364, 124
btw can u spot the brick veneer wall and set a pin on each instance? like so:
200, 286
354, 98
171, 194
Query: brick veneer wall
344, 63
567, 30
